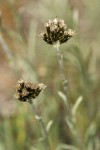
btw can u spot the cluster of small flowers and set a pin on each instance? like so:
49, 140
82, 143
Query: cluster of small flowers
56, 30
26, 90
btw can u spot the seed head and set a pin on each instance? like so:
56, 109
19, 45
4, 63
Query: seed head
56, 30
26, 90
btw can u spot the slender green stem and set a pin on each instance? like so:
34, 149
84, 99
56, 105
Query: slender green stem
61, 66
62, 72
42, 125
65, 88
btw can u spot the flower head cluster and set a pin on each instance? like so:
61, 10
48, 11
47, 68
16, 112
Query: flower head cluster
26, 90
56, 30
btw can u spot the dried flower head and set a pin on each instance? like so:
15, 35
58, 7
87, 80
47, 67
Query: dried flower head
26, 90
56, 30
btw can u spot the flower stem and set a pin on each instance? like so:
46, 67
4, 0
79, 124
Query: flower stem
62, 73
42, 125
61, 64
65, 88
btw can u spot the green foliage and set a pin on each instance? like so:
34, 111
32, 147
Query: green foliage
30, 58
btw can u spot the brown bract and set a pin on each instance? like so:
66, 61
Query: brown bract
56, 30
26, 90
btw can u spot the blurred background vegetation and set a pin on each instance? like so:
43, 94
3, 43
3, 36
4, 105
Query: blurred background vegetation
24, 55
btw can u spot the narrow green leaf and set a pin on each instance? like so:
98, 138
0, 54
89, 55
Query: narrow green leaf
76, 105
62, 96
66, 147
49, 125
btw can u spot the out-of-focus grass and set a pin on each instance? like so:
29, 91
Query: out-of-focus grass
34, 60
